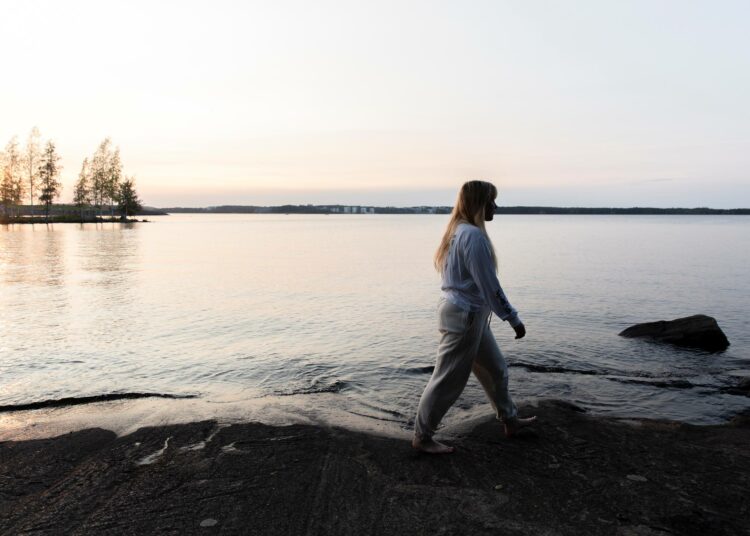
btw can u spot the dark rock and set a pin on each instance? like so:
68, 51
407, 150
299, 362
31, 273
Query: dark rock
741, 420
698, 331
576, 475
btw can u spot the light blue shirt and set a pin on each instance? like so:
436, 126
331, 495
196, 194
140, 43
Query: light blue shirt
469, 276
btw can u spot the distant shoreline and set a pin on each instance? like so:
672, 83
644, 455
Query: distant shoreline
67, 214
362, 209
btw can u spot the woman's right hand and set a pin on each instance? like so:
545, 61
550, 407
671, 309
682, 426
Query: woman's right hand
520, 331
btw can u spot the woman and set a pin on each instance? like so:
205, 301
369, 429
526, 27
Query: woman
471, 293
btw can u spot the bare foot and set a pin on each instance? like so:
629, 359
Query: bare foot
431, 446
514, 425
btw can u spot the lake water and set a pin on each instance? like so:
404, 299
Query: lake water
338, 313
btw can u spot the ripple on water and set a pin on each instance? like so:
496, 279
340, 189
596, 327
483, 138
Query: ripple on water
95, 310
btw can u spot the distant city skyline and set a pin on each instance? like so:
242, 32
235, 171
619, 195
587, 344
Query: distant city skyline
607, 104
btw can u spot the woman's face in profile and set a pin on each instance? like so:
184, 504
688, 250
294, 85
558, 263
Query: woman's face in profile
489, 210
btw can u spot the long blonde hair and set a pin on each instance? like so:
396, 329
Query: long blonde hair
470, 207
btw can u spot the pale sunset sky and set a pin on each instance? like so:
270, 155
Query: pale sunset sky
577, 103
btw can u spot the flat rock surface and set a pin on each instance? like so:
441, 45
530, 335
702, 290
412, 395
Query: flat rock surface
573, 474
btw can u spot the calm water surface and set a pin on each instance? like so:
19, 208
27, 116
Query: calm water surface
247, 307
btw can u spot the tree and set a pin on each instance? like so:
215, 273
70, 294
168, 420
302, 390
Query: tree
5, 188
127, 199
99, 170
49, 169
112, 179
11, 183
82, 188
31, 164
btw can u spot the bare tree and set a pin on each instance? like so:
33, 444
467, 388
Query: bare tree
31, 155
49, 170
82, 191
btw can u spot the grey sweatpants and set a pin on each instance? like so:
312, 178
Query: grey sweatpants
466, 345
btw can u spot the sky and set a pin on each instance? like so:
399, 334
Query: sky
578, 103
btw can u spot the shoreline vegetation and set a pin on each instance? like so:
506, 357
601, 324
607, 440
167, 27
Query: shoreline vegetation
30, 173
361, 209
48, 220
72, 213
68, 213
571, 474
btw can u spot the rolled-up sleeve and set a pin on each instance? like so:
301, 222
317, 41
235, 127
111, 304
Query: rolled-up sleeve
481, 266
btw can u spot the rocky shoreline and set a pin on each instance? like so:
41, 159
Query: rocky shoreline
572, 474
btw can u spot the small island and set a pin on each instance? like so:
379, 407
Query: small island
101, 193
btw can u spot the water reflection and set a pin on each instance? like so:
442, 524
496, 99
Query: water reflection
54, 257
66, 307
109, 249
32, 254
34, 300
109, 260
305, 306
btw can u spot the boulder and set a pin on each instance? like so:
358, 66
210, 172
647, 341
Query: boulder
698, 331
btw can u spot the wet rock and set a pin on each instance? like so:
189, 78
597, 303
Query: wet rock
741, 420
698, 331
613, 478
568, 405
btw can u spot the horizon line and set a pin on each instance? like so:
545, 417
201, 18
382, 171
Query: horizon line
556, 207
